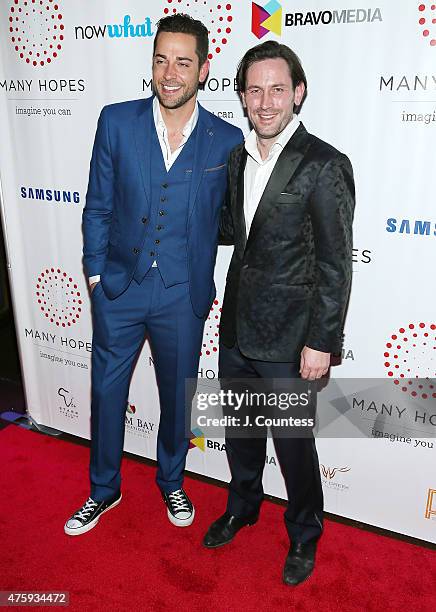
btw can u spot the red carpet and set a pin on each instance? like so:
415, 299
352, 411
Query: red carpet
136, 560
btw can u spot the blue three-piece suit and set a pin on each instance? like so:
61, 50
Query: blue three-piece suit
137, 213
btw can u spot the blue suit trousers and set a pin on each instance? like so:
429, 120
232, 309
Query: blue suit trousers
166, 317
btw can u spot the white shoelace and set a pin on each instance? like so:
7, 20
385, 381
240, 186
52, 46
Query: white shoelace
178, 501
86, 510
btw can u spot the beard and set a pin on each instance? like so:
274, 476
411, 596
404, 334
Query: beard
176, 102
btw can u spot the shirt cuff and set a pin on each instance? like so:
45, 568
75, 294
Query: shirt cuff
94, 279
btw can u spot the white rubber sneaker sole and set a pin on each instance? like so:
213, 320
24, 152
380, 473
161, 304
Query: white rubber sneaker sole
79, 530
181, 522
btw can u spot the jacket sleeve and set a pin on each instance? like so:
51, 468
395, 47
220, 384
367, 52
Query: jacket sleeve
331, 211
97, 213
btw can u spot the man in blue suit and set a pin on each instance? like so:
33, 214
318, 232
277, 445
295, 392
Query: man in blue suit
157, 182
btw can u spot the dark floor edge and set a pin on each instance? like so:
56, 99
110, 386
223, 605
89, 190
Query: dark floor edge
275, 500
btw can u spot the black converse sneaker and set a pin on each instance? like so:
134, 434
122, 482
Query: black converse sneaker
88, 516
181, 512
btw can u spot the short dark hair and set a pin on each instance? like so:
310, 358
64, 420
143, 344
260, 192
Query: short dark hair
180, 23
271, 50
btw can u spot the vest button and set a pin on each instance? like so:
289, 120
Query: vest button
159, 227
161, 213
144, 219
136, 251
151, 253
157, 241
163, 199
164, 185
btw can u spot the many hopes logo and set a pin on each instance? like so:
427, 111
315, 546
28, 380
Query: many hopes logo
58, 297
266, 19
36, 30
427, 20
216, 17
211, 331
410, 359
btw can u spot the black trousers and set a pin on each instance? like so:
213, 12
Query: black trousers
297, 457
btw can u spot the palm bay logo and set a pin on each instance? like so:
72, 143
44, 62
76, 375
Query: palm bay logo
67, 407
427, 21
58, 297
136, 426
266, 18
410, 361
197, 440
211, 331
36, 30
430, 508
216, 16
329, 480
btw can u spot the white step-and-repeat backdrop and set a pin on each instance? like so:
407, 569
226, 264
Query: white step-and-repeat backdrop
372, 93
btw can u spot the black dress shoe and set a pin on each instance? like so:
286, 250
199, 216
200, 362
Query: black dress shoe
299, 563
224, 529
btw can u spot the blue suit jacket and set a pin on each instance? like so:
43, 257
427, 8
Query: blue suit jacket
119, 193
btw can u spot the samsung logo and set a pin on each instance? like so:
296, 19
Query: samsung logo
416, 227
50, 195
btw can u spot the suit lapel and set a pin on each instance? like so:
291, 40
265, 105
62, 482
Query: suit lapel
287, 163
239, 208
142, 132
203, 145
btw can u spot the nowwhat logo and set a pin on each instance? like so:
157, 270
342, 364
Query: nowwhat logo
36, 30
58, 297
217, 17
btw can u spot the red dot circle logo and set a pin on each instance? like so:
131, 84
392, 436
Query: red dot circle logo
36, 30
410, 359
211, 331
427, 22
58, 297
216, 16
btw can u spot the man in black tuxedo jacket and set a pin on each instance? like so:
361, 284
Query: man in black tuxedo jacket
289, 215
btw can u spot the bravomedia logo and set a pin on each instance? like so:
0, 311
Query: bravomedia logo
217, 17
427, 21
58, 297
36, 30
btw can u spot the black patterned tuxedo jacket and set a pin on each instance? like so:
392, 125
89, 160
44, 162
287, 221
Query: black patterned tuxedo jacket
288, 284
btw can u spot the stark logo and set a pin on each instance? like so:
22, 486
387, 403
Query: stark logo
266, 19
216, 16
329, 473
427, 21
409, 359
36, 30
58, 297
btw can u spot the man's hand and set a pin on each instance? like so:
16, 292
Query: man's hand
313, 364
92, 287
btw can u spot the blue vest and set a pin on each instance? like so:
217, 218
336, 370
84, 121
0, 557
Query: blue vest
166, 240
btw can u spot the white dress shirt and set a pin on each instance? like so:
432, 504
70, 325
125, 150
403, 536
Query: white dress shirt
168, 155
258, 171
